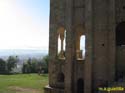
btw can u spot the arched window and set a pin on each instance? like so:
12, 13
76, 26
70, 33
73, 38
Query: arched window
80, 86
61, 42
80, 43
120, 34
82, 46
60, 77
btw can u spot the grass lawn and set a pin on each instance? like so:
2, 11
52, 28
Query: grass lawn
23, 83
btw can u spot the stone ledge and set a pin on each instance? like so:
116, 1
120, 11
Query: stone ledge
49, 89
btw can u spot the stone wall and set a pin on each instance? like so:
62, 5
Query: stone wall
97, 20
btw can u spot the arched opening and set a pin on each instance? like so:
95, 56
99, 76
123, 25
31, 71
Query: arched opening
80, 43
61, 42
60, 77
120, 51
80, 86
120, 34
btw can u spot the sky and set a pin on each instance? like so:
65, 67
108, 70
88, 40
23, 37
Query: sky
24, 24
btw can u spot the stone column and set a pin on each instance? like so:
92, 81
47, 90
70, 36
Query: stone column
53, 44
62, 39
69, 48
89, 47
77, 46
78, 42
70, 55
53, 40
111, 40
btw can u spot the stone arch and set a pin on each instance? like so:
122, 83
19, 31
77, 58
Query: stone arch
60, 77
80, 31
120, 34
80, 86
61, 41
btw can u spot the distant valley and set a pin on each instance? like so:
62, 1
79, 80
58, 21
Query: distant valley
23, 53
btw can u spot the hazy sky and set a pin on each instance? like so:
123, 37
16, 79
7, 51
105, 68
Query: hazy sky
24, 24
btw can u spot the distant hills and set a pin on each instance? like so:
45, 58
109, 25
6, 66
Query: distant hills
23, 53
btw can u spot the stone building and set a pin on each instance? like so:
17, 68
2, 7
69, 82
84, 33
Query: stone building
102, 22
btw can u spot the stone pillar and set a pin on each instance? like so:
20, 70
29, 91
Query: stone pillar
103, 42
62, 44
77, 46
69, 48
70, 58
111, 40
62, 39
53, 40
89, 47
53, 44
78, 42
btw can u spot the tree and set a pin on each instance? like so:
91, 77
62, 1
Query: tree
46, 59
24, 68
30, 66
36, 65
44, 64
2, 66
11, 63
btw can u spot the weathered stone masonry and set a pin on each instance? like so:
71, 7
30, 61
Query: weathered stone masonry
102, 22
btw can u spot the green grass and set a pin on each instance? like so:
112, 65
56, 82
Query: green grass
33, 81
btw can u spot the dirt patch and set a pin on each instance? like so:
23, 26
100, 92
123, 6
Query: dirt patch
24, 90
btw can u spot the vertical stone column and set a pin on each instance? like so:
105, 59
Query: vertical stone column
78, 42
103, 18
69, 63
69, 48
53, 43
53, 46
62, 39
111, 40
89, 47
62, 42
78, 46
